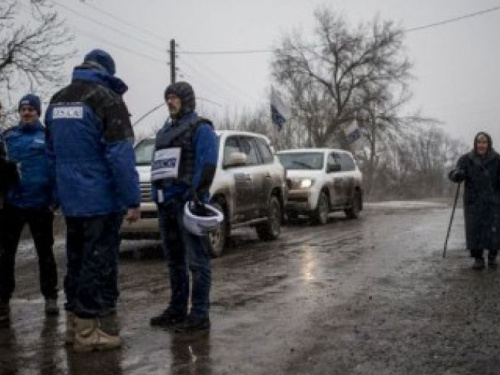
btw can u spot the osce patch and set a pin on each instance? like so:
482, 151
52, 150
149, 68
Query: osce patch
67, 112
166, 163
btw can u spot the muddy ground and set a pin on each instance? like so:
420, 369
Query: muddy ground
369, 296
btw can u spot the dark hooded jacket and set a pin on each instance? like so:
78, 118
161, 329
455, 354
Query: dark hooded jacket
481, 176
199, 149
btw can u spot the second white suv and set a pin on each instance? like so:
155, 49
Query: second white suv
249, 186
322, 180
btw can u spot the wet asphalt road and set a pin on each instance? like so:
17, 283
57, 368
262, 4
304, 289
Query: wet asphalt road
369, 296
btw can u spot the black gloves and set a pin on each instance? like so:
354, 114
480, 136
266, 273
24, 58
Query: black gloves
457, 175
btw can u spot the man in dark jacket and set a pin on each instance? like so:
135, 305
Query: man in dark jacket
480, 169
183, 167
90, 147
27, 201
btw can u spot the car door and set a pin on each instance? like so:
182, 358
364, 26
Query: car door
348, 175
243, 184
257, 172
335, 180
268, 175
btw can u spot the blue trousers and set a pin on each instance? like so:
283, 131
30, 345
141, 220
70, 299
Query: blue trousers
185, 253
91, 282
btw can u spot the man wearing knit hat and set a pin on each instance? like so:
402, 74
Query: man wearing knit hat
27, 201
191, 141
90, 147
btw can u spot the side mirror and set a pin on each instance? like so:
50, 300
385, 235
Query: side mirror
333, 168
235, 159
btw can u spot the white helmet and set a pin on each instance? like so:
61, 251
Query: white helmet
201, 221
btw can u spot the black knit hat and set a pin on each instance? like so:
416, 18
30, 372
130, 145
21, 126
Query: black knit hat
185, 93
32, 100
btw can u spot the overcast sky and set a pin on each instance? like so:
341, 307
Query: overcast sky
456, 65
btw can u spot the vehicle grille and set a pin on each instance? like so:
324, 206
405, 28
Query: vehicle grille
298, 199
146, 192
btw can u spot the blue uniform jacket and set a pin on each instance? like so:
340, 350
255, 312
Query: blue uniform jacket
90, 145
25, 144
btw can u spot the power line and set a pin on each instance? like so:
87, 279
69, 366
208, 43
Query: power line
451, 20
417, 28
217, 79
127, 23
134, 52
128, 35
162, 104
240, 52
148, 113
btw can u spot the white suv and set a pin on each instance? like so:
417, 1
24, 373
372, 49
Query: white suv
249, 186
322, 180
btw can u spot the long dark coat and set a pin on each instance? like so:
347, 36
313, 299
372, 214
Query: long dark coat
481, 199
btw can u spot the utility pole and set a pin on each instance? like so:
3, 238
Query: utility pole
172, 61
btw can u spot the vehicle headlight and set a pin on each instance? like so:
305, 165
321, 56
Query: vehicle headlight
306, 183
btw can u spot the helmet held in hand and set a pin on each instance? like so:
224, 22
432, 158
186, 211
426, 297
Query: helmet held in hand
200, 219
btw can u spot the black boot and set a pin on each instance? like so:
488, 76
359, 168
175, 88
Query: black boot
192, 324
492, 261
479, 264
4, 311
167, 319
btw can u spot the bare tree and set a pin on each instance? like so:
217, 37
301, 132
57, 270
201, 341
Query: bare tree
416, 164
331, 79
34, 45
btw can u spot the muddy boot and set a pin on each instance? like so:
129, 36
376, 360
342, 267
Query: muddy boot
109, 324
492, 262
91, 336
479, 264
51, 308
4, 311
70, 328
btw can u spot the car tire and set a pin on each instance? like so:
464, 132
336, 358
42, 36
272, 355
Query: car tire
271, 228
356, 206
217, 238
320, 214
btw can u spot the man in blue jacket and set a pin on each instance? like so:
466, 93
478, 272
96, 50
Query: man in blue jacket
90, 147
183, 169
27, 201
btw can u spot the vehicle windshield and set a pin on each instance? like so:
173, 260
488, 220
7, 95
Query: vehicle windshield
144, 152
302, 160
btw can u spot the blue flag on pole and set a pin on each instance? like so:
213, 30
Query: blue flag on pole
353, 135
280, 112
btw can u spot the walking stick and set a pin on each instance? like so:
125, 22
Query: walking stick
451, 220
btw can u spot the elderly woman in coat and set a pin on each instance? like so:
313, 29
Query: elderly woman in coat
480, 169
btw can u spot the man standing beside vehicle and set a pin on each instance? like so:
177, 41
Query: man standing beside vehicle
27, 200
183, 168
90, 147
